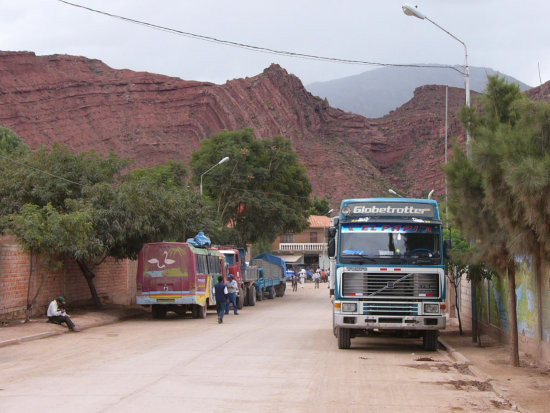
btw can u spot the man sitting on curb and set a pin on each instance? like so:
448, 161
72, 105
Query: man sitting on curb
56, 314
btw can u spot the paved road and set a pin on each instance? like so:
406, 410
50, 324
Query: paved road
279, 356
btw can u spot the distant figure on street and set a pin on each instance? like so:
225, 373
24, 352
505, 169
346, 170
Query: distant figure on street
316, 278
294, 281
323, 276
302, 277
220, 292
56, 314
232, 288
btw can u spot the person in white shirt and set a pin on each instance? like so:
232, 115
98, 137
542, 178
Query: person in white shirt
232, 288
302, 277
317, 278
56, 314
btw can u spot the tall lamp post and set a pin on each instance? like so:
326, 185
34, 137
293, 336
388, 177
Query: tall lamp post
413, 11
212, 167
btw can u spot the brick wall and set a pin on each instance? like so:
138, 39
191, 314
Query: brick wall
114, 281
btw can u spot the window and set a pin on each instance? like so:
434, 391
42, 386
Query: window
313, 237
287, 238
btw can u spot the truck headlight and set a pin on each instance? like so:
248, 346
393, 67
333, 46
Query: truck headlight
349, 307
431, 308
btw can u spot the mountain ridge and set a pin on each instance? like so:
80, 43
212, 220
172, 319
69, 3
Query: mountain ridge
84, 104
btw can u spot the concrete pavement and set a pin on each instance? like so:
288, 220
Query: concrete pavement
527, 388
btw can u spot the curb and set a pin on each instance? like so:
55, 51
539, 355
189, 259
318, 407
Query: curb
92, 324
460, 358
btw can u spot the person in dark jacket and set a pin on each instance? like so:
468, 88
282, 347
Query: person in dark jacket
220, 292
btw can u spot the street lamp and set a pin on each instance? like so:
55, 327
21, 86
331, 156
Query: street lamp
391, 191
413, 11
212, 167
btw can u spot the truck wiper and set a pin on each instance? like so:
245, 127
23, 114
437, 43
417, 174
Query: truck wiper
359, 259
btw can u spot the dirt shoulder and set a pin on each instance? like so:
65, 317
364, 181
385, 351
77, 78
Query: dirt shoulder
526, 387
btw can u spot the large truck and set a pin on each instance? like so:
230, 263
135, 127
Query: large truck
178, 276
271, 278
387, 269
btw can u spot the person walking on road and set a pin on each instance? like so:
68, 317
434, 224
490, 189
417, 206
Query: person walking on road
232, 295
220, 292
317, 278
294, 281
56, 314
302, 277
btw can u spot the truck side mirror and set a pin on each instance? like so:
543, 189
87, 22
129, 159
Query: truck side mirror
447, 246
331, 246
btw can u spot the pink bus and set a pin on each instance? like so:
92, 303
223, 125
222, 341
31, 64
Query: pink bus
176, 276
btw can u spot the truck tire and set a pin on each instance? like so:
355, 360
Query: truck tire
240, 299
429, 340
158, 311
280, 290
344, 338
271, 293
260, 294
252, 295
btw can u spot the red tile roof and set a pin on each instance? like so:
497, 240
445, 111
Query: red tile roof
319, 221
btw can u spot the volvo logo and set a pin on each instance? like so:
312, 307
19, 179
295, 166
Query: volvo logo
390, 284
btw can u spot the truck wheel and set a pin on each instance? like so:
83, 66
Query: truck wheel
280, 290
240, 299
252, 296
158, 311
429, 340
260, 294
271, 293
344, 338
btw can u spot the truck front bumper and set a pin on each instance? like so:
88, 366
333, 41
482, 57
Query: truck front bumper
390, 322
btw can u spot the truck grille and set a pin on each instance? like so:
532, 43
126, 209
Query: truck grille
394, 285
379, 308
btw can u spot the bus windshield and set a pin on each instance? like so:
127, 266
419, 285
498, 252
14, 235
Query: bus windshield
390, 244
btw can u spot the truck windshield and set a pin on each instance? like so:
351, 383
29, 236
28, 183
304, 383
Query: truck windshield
390, 244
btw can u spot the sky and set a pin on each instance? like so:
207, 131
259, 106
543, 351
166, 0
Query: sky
512, 37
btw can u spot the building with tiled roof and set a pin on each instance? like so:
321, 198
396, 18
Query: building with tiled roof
306, 249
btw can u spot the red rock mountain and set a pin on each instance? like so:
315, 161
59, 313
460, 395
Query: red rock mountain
151, 118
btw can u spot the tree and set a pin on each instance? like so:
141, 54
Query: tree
262, 191
82, 207
319, 206
489, 203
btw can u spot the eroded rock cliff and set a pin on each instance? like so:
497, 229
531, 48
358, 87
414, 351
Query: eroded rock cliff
152, 118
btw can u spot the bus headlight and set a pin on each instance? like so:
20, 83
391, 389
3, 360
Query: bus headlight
349, 307
432, 308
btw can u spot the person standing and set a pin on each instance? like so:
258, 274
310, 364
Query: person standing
302, 277
56, 314
220, 292
294, 281
317, 278
232, 288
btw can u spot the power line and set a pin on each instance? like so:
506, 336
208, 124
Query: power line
40, 170
256, 48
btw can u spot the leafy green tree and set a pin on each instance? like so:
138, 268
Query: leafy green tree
496, 191
262, 191
319, 206
81, 206
10, 143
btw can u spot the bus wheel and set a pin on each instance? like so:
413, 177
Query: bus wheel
429, 340
344, 338
158, 311
252, 295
